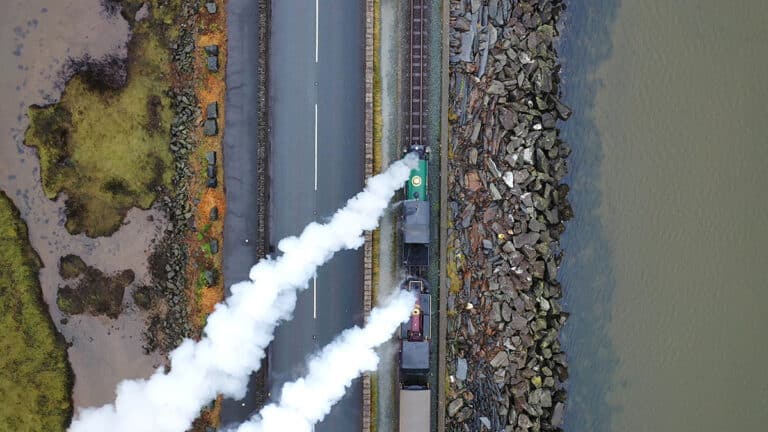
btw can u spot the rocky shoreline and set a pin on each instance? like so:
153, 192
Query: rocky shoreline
507, 205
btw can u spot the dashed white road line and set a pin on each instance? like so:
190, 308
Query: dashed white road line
315, 146
317, 30
314, 297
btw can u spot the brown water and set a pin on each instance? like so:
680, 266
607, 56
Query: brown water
665, 261
36, 36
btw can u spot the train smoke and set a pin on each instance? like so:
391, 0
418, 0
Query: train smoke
306, 401
239, 330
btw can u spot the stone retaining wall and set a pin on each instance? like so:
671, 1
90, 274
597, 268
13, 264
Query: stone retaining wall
368, 247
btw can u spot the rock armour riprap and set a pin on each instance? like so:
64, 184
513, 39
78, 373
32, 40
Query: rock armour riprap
507, 206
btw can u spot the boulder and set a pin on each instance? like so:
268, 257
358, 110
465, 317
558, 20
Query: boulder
213, 214
557, 415
528, 238
214, 246
472, 181
211, 183
210, 157
211, 171
495, 312
209, 277
524, 422
211, 7
460, 24
212, 110
501, 359
212, 50
210, 127
454, 406
213, 63
461, 369
506, 312
496, 88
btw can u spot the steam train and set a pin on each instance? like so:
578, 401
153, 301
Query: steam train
415, 334
415, 399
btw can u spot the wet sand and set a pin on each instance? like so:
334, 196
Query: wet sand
36, 37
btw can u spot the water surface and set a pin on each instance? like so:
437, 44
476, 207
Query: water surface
665, 261
36, 39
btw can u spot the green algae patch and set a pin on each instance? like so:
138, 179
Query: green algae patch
106, 146
35, 377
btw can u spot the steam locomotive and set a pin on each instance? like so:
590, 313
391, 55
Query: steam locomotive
415, 334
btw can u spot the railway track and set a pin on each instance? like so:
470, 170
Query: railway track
416, 133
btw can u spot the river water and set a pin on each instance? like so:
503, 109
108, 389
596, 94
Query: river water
36, 38
665, 259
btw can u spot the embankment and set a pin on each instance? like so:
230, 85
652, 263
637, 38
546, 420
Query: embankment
507, 205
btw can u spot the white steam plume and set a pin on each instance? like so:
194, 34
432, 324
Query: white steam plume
308, 400
239, 330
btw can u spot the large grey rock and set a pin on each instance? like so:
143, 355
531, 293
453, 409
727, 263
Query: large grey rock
455, 406
495, 312
524, 422
495, 194
214, 246
486, 422
214, 214
209, 277
211, 171
211, 7
518, 322
562, 110
506, 312
461, 369
210, 127
496, 88
213, 63
557, 415
210, 157
461, 24
212, 50
528, 238
212, 110
501, 359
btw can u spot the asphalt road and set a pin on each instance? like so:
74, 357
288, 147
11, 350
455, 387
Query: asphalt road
239, 159
317, 151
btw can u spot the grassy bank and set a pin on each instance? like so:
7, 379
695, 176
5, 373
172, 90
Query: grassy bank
35, 378
105, 144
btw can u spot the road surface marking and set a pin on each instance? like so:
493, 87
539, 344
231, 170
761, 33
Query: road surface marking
317, 29
315, 146
314, 297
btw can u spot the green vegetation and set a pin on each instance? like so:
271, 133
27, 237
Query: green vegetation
71, 266
96, 293
142, 296
105, 147
35, 378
